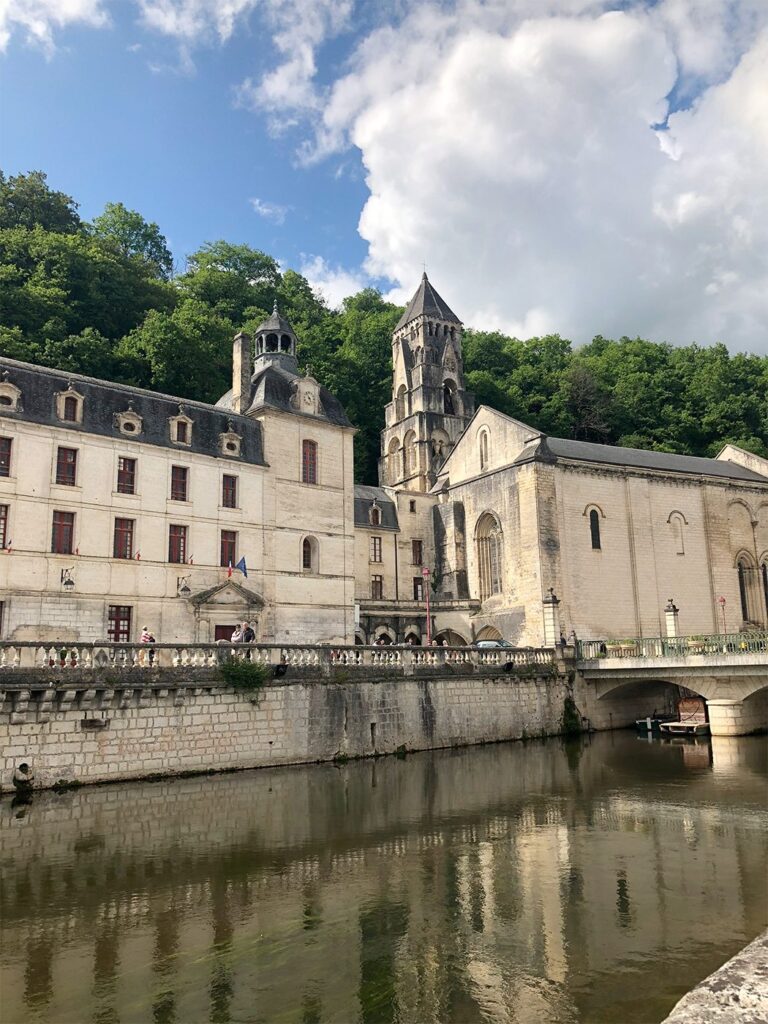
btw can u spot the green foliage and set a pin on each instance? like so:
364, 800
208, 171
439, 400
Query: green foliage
98, 299
571, 717
134, 238
242, 674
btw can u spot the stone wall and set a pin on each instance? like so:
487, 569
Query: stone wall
169, 721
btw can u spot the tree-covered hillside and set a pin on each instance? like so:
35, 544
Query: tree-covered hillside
101, 298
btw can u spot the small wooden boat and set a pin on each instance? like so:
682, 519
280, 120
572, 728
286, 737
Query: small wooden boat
652, 724
691, 721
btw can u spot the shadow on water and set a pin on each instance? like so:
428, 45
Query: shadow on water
561, 880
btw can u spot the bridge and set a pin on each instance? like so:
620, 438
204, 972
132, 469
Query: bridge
730, 671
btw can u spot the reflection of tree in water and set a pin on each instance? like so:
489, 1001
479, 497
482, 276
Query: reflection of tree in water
38, 982
163, 963
221, 986
382, 926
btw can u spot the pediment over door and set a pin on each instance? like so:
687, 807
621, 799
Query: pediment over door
228, 595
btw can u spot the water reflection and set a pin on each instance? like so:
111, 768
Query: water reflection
543, 881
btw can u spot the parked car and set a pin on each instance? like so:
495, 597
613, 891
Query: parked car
493, 643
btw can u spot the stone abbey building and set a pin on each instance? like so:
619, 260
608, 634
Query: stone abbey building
121, 508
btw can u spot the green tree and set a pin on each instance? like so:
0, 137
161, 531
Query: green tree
135, 238
27, 201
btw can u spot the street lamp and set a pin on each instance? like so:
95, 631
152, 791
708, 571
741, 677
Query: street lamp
182, 586
721, 601
425, 577
67, 580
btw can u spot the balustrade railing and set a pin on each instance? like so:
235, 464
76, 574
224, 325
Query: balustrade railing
710, 644
59, 657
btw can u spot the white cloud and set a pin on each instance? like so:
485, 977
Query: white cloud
269, 211
37, 20
333, 283
517, 154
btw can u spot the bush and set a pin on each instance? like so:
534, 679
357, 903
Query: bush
243, 674
571, 717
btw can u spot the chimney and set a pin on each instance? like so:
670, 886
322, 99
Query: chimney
241, 372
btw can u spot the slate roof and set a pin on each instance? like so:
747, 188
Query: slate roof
272, 386
103, 399
426, 302
555, 448
365, 497
275, 322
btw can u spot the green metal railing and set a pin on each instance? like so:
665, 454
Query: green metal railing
674, 647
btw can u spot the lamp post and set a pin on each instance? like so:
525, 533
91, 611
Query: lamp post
721, 601
425, 577
68, 580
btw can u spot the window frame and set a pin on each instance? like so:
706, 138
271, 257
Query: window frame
418, 588
66, 468
229, 489
123, 538
123, 470
227, 541
61, 530
377, 584
119, 623
594, 530
6, 456
375, 550
184, 470
181, 540
5, 516
309, 462
417, 551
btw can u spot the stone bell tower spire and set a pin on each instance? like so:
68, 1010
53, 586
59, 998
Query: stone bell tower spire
429, 407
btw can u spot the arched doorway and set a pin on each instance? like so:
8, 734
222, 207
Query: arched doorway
488, 633
451, 638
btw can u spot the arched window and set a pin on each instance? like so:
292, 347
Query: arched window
449, 403
764, 569
393, 468
594, 528
490, 554
401, 403
743, 569
309, 550
484, 449
309, 462
677, 522
410, 456
375, 515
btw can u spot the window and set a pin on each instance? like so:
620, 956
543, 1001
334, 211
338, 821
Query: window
484, 449
377, 588
229, 491
182, 432
489, 555
66, 466
5, 455
677, 523
126, 476
309, 551
764, 570
70, 409
309, 462
594, 528
375, 515
412, 505
179, 477
418, 588
123, 542
743, 570
4, 527
228, 547
375, 549
417, 552
63, 533
119, 624
177, 543
449, 405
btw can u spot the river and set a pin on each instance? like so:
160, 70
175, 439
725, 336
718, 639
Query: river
595, 880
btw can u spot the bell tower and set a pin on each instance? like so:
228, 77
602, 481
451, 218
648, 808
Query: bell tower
429, 407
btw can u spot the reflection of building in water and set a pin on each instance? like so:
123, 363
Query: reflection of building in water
495, 884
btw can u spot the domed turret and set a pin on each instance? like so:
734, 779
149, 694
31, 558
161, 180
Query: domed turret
275, 342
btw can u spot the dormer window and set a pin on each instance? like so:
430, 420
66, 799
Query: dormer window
181, 428
69, 405
230, 442
129, 422
9, 396
374, 515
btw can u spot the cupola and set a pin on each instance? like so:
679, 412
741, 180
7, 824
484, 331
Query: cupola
275, 342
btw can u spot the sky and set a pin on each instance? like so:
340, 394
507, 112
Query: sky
578, 167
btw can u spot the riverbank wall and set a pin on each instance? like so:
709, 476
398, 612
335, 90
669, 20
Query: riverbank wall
99, 726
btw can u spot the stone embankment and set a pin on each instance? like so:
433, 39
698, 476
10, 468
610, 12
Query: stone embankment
88, 720
737, 993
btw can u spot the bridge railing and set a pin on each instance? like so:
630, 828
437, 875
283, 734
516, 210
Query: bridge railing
63, 657
674, 647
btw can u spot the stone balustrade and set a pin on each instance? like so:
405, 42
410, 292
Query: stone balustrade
714, 644
61, 659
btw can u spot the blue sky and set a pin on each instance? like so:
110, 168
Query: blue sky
173, 144
573, 166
